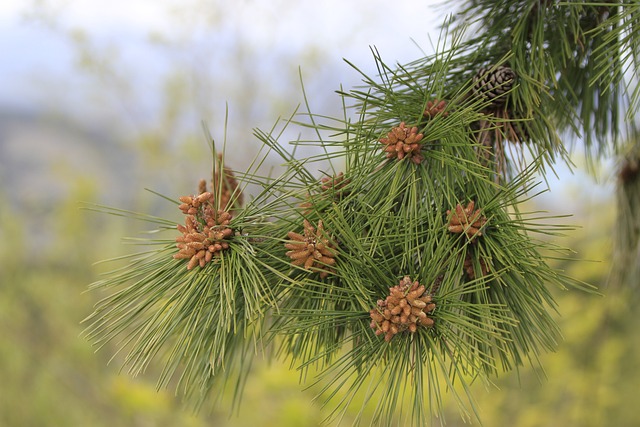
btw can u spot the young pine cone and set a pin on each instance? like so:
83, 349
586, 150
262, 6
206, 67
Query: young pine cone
313, 250
406, 307
465, 220
491, 85
332, 190
403, 142
434, 108
205, 233
468, 266
335, 184
223, 185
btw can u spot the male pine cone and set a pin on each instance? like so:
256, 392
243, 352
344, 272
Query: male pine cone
466, 220
312, 251
404, 309
206, 230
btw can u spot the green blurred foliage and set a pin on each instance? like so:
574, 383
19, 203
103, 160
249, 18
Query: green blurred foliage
52, 376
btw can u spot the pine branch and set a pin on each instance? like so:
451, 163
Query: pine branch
395, 263
584, 52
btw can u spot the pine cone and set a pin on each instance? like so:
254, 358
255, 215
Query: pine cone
223, 184
465, 220
332, 187
204, 236
312, 250
403, 142
406, 307
434, 108
335, 184
468, 266
491, 85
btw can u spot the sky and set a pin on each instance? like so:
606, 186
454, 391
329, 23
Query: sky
109, 66
34, 35
50, 46
263, 20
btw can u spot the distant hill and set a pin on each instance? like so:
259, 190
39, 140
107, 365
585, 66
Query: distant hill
41, 156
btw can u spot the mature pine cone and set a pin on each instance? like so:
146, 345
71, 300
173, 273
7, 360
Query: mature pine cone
490, 85
406, 307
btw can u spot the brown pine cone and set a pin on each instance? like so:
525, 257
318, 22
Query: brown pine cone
406, 308
403, 142
313, 250
205, 233
434, 108
224, 185
491, 85
469, 268
465, 220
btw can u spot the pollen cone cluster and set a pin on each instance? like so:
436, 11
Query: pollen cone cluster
335, 184
332, 186
434, 108
206, 230
223, 185
313, 250
403, 142
466, 220
469, 266
406, 307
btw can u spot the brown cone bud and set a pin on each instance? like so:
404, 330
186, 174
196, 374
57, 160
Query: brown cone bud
403, 142
466, 220
313, 250
399, 313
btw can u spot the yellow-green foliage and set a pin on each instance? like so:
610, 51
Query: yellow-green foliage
51, 376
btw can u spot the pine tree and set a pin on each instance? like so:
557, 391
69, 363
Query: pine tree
397, 263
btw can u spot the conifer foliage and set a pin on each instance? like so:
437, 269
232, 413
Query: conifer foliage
396, 264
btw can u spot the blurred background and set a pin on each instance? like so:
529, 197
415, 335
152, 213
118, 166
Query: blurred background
101, 99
